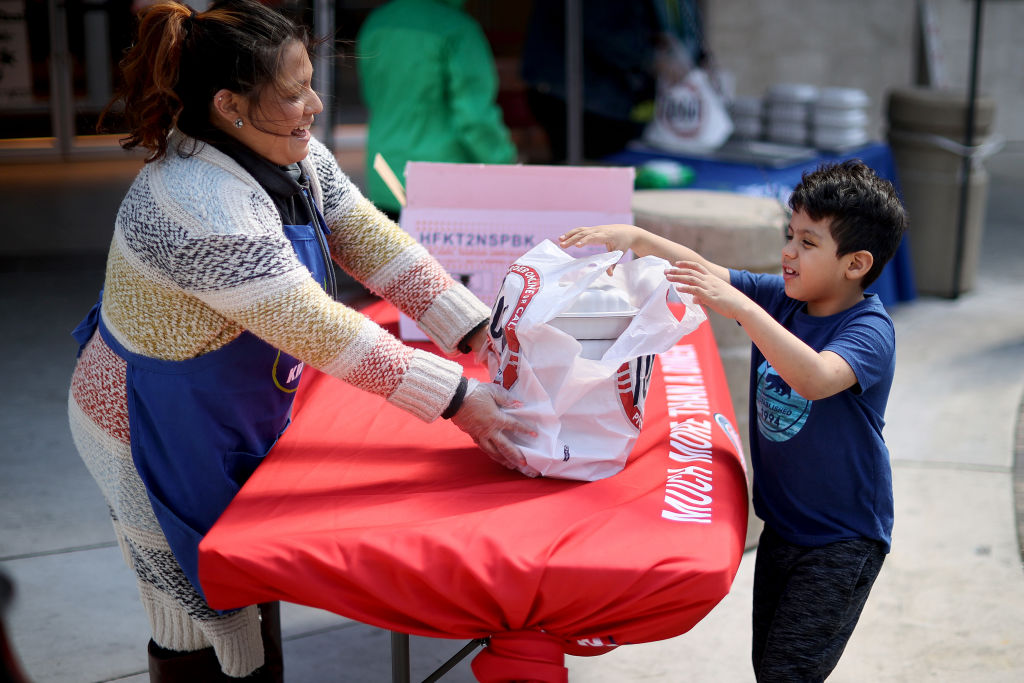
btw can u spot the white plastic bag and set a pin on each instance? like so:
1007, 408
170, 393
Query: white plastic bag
690, 116
587, 413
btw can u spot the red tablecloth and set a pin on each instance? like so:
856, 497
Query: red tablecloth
363, 510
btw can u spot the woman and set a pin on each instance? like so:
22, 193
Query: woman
215, 299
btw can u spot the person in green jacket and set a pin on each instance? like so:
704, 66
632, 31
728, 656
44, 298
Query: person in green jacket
428, 79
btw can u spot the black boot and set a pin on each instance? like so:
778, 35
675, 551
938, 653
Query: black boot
272, 670
170, 666
202, 666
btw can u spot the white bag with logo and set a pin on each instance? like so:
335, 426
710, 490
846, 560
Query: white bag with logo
584, 396
690, 116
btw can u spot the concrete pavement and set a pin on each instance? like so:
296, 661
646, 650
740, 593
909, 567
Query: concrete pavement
948, 605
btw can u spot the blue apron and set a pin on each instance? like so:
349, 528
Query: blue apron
200, 427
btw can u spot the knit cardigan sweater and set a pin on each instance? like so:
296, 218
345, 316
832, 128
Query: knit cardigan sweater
198, 256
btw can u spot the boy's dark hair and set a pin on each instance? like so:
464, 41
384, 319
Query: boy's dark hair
864, 210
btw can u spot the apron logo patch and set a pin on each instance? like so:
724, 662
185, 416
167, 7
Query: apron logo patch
291, 381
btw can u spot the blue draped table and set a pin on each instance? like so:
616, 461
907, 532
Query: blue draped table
777, 179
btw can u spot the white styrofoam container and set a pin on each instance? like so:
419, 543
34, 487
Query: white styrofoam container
788, 112
749, 127
598, 325
788, 132
840, 118
601, 312
842, 98
836, 139
602, 296
792, 92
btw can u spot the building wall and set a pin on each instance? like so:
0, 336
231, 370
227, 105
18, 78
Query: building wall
870, 45
1001, 65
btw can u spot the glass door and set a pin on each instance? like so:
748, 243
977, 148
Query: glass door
59, 65
58, 62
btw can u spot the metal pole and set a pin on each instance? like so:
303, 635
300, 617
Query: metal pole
573, 82
61, 98
399, 657
965, 172
323, 72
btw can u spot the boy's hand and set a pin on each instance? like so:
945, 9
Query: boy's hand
707, 289
613, 237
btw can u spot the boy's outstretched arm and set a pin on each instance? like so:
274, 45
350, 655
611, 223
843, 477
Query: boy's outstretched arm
811, 374
621, 237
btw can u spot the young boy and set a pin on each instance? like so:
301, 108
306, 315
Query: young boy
821, 368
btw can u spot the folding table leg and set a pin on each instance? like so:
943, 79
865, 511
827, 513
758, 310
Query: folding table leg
400, 666
399, 657
454, 660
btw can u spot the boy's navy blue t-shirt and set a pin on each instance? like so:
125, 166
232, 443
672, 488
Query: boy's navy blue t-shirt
821, 468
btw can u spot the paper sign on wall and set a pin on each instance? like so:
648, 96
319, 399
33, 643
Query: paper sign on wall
476, 219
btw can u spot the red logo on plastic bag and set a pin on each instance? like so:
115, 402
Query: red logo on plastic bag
681, 109
632, 380
509, 371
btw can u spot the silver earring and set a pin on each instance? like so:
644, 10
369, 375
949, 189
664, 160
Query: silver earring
239, 122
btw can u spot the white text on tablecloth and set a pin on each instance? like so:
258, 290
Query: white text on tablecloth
688, 487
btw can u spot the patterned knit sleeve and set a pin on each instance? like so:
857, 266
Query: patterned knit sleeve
202, 258
302, 320
389, 262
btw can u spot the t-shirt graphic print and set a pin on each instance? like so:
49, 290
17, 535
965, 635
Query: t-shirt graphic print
781, 412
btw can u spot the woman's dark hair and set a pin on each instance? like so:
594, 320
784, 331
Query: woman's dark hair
182, 58
864, 211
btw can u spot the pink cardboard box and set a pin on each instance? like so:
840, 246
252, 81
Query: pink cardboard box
476, 219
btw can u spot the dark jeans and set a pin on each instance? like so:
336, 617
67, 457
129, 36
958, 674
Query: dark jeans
806, 604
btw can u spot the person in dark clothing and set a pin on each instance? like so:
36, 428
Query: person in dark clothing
619, 43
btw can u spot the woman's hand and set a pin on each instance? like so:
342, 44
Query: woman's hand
478, 341
481, 416
614, 237
707, 288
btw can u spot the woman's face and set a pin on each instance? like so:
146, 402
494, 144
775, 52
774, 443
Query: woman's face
278, 129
